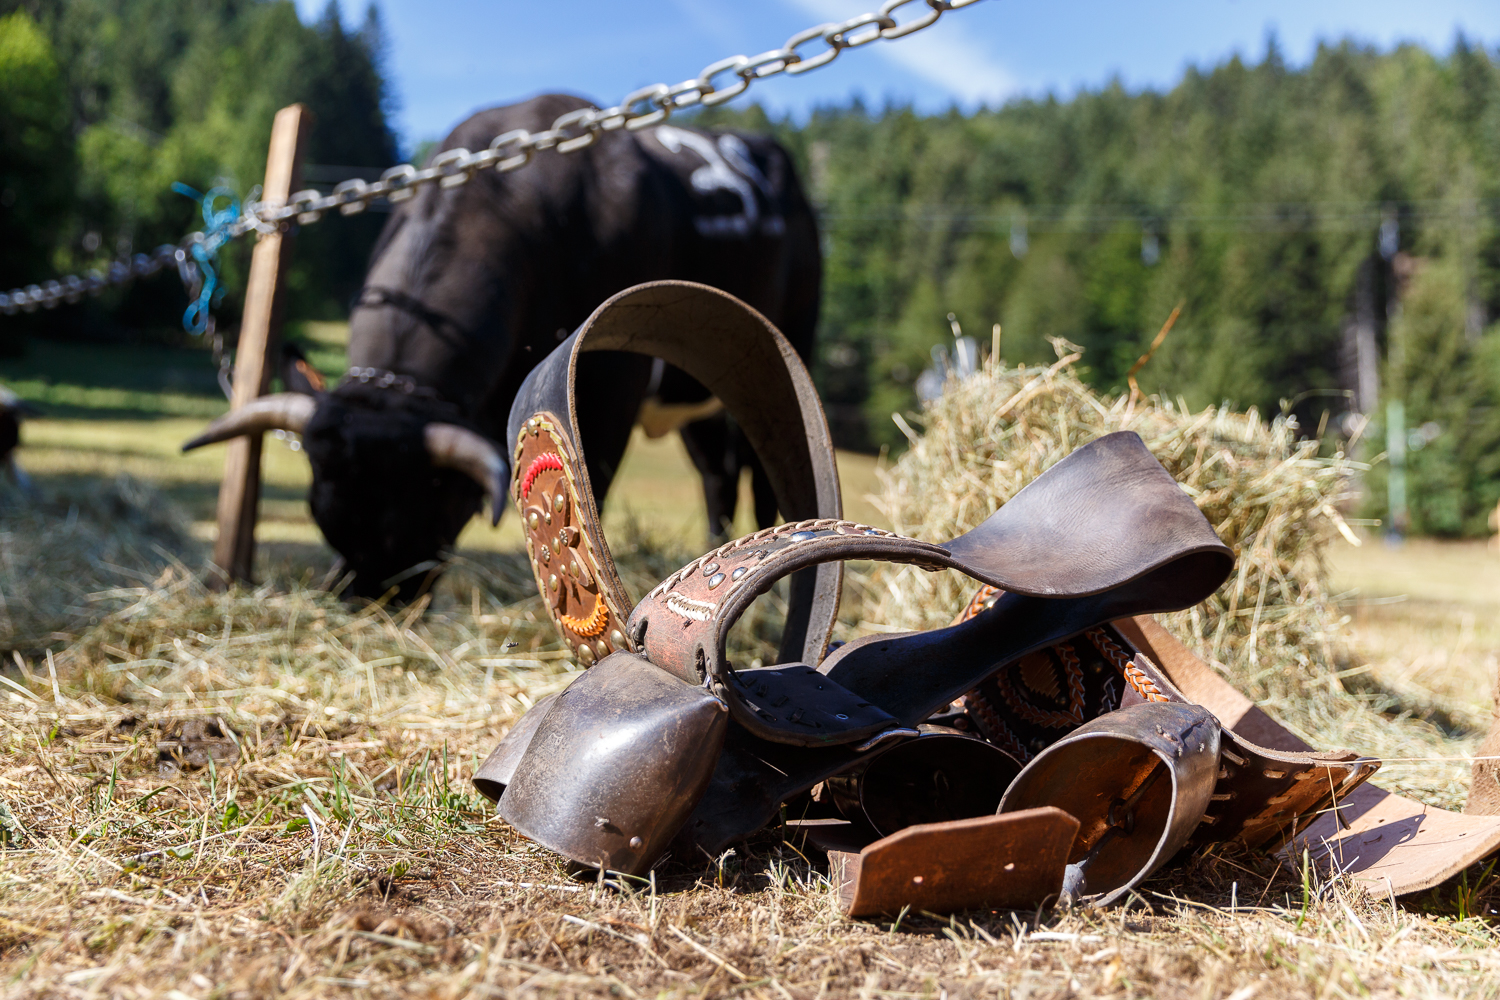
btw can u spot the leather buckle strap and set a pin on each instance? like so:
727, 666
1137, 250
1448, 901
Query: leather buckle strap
1071, 552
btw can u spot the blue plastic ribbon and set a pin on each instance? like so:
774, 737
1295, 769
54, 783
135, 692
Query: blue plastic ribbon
216, 232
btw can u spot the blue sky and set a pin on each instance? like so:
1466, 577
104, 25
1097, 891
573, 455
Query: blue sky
452, 57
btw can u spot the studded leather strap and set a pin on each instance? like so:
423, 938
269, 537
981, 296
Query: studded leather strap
575, 578
743, 360
1146, 548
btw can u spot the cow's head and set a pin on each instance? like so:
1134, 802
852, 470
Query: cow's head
395, 475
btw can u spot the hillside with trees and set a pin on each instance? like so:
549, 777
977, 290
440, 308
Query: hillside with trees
1331, 229
105, 103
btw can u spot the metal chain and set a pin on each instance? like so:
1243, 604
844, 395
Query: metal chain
512, 150
49, 294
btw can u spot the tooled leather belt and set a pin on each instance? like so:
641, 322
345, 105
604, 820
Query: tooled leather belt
740, 357
663, 739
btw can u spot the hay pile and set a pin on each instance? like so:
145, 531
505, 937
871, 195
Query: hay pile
1269, 496
70, 556
1273, 629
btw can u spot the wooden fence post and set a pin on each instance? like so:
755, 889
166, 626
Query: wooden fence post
260, 333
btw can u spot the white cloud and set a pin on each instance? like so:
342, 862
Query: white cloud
940, 54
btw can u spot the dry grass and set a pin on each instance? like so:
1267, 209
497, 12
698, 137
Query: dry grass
69, 556
265, 793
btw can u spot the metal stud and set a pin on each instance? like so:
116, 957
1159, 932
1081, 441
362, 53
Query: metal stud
585, 654
715, 580
557, 504
601, 648
546, 554
636, 843
573, 568
552, 583
739, 572
710, 569
617, 639
557, 544
533, 520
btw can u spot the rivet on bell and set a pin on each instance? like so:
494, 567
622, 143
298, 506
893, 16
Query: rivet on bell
552, 582
617, 639
715, 580
636, 843
710, 569
585, 654
741, 571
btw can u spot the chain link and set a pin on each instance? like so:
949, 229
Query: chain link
513, 150
48, 294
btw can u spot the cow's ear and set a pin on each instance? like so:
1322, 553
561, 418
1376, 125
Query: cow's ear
298, 374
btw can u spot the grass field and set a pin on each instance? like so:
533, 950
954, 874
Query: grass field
265, 792
103, 418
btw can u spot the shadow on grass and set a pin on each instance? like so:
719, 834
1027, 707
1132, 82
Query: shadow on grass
115, 381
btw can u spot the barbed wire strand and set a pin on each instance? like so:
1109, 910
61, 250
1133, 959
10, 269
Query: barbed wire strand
717, 83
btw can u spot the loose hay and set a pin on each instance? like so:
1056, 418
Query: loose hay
69, 556
1273, 628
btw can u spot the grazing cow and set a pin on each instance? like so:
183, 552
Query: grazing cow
13, 410
470, 287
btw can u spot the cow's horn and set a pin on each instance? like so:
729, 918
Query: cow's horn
283, 411
453, 447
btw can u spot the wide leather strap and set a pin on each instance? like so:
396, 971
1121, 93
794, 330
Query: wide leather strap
743, 360
1104, 533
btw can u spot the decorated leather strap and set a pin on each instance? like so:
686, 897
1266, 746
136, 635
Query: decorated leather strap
1262, 797
738, 356
1069, 547
576, 579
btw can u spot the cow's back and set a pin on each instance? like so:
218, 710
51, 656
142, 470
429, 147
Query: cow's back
501, 268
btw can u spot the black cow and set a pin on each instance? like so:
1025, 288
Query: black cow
470, 287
